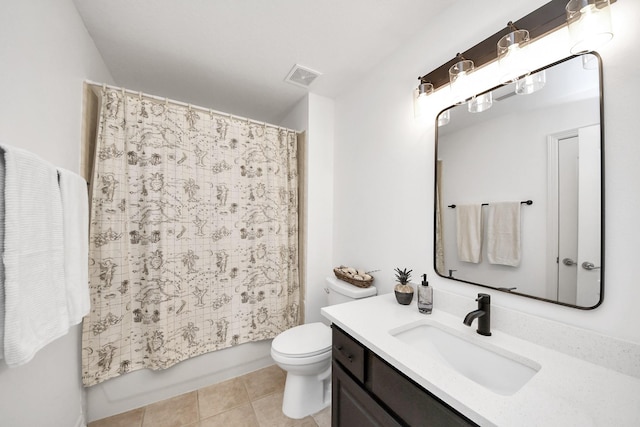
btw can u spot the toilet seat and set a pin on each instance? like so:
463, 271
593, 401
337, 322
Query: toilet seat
306, 340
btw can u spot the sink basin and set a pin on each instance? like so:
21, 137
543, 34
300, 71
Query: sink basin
492, 367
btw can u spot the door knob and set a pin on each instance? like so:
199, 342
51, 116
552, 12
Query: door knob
589, 266
568, 261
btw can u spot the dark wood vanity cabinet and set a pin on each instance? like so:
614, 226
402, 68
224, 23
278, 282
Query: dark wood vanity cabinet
367, 391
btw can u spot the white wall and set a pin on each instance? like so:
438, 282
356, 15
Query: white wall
45, 53
384, 160
320, 186
315, 115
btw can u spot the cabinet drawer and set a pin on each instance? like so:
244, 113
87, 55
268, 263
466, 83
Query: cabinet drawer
349, 353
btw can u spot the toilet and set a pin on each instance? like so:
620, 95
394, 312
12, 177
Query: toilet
304, 352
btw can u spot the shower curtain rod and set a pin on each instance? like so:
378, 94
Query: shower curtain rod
524, 202
183, 104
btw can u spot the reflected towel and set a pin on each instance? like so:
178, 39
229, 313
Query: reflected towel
503, 233
75, 215
469, 232
35, 295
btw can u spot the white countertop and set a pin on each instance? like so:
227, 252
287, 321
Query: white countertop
566, 391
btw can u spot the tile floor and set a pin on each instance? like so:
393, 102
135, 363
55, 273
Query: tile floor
251, 400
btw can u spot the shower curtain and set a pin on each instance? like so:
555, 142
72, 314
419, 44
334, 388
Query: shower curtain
193, 236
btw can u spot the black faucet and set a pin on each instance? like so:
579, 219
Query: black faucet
483, 314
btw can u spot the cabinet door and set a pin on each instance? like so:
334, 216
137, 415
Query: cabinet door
416, 406
354, 407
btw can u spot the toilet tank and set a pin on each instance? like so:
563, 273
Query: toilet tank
340, 291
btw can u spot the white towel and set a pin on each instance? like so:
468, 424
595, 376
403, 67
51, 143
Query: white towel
469, 232
75, 216
503, 233
35, 296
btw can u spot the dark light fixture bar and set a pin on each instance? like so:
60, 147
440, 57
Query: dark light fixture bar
541, 21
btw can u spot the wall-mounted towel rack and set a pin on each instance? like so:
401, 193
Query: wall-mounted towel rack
525, 202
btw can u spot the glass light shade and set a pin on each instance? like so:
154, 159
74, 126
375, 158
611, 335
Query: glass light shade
424, 90
532, 83
444, 118
480, 103
512, 58
589, 24
459, 79
420, 95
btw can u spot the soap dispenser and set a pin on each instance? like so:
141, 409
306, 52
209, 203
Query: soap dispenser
425, 296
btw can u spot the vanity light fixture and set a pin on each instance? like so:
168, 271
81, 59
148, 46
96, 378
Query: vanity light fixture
480, 103
532, 83
512, 58
459, 79
546, 19
589, 24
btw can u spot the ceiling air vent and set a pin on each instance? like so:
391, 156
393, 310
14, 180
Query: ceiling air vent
301, 76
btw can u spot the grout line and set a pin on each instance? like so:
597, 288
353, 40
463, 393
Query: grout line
198, 405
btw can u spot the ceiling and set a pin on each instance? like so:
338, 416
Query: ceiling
233, 55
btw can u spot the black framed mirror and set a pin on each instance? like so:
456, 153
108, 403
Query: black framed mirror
519, 186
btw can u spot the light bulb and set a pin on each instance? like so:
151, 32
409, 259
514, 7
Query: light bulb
589, 24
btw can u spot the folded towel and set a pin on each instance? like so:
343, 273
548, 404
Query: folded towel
469, 232
75, 216
503, 233
35, 294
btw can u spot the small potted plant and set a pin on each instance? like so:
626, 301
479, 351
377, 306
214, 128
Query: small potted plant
404, 291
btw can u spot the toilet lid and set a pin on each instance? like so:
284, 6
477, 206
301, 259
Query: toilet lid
304, 340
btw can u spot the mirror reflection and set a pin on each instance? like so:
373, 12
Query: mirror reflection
519, 186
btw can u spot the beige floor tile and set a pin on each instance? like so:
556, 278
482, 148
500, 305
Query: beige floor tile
241, 416
269, 413
221, 397
323, 418
175, 412
126, 419
264, 381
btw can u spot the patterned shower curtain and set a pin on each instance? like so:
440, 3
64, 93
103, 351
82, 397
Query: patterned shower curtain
193, 238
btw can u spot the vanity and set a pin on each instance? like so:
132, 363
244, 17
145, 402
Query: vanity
361, 379
386, 370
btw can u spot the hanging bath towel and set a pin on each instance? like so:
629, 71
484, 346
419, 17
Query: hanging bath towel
35, 296
503, 233
75, 215
469, 232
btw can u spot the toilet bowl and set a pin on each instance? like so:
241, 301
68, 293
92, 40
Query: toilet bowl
304, 352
